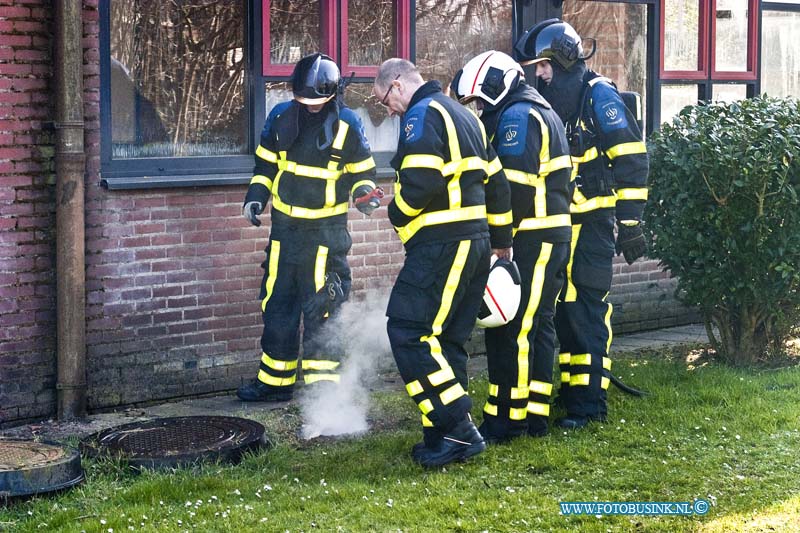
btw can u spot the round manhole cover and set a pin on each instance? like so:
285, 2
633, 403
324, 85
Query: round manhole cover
29, 467
177, 441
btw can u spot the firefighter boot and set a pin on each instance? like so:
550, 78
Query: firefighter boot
259, 392
577, 421
498, 431
458, 444
430, 439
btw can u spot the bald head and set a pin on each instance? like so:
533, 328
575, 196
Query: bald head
396, 68
395, 85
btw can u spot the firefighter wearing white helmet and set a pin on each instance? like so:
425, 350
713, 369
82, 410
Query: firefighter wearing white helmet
529, 138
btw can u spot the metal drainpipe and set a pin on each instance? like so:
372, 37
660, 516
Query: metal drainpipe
70, 161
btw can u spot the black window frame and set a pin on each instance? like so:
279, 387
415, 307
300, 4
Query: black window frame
148, 173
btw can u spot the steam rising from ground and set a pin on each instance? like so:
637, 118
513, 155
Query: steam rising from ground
360, 329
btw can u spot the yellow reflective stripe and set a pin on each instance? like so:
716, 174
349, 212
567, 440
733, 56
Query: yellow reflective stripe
319, 364
490, 409
359, 183
579, 379
607, 321
454, 191
598, 202
518, 393
422, 161
440, 217
360, 166
589, 155
565, 377
414, 388
341, 135
452, 394
309, 171
500, 219
607, 363
562, 161
518, 176
452, 135
581, 359
403, 206
540, 387
632, 194
426, 406
636, 147
265, 378
523, 345
426, 422
266, 155
572, 292
320, 263
463, 165
544, 150
263, 180
518, 413
275, 364
494, 166
272, 272
536, 408
604, 382
313, 378
494, 390
304, 212
440, 376
563, 358
552, 221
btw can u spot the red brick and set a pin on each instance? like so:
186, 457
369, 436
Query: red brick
11, 12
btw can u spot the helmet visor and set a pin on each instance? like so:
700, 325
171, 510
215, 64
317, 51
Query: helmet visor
323, 80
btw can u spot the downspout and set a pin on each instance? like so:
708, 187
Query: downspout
70, 161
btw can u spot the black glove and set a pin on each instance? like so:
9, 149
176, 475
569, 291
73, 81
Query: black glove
630, 242
326, 300
251, 211
368, 199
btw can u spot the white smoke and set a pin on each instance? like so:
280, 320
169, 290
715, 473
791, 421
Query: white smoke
360, 329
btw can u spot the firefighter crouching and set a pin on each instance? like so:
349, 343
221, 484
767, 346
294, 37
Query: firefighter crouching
451, 209
529, 138
610, 168
312, 158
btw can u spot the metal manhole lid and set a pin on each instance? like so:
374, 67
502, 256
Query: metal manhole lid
177, 441
29, 467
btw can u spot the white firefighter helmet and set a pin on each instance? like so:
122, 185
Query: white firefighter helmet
488, 76
502, 295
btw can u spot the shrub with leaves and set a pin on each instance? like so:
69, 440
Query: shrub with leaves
724, 217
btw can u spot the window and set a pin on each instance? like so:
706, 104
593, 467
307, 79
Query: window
174, 99
780, 49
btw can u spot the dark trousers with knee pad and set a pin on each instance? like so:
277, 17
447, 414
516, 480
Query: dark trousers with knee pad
432, 311
583, 318
520, 354
295, 271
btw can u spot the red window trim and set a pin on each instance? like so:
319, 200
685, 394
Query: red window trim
707, 43
330, 12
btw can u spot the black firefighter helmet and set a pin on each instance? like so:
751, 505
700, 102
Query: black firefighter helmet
552, 40
315, 79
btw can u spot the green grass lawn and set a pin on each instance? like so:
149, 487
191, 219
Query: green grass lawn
727, 436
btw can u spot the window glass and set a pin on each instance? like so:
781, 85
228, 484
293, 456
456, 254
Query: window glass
370, 29
177, 79
780, 53
726, 92
681, 34
731, 35
451, 33
293, 30
621, 34
676, 97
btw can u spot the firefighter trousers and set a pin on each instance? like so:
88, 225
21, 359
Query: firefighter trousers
520, 354
294, 273
431, 313
583, 319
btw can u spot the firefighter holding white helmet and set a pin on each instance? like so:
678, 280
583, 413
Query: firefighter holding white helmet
529, 138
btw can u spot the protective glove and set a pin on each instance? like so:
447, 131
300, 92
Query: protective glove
326, 299
251, 211
368, 202
630, 241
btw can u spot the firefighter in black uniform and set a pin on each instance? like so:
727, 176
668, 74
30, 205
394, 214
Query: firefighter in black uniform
313, 155
610, 168
451, 209
528, 136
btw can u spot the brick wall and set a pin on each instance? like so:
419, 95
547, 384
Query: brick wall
172, 275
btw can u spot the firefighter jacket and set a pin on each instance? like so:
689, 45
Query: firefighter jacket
529, 139
310, 180
609, 158
450, 184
